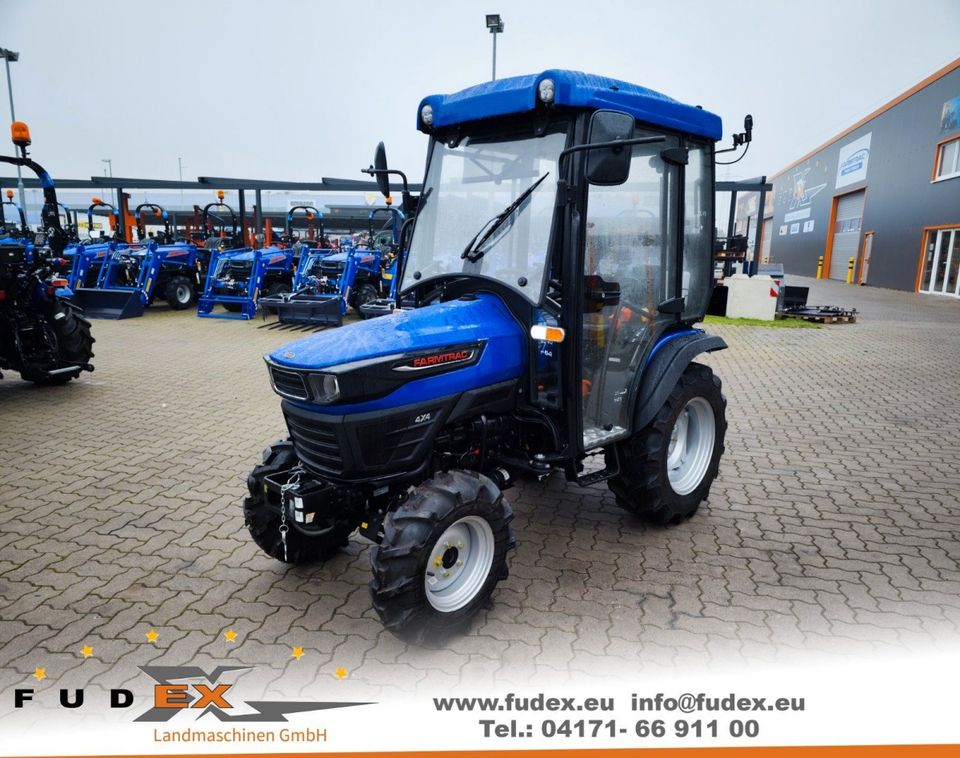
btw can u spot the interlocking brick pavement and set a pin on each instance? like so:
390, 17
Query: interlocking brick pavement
833, 530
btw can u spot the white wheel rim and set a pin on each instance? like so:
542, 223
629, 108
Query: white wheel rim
183, 293
691, 445
459, 564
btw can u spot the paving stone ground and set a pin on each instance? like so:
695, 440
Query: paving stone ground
832, 532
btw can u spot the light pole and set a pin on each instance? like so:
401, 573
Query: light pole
180, 166
495, 25
109, 162
9, 56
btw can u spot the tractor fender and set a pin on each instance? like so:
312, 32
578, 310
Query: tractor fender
667, 362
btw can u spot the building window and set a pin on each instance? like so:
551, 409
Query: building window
948, 160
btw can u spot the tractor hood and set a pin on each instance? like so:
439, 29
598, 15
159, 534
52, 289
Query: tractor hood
481, 319
342, 257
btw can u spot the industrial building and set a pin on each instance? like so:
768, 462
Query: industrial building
883, 194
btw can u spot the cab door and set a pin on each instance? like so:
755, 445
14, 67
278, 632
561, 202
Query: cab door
629, 270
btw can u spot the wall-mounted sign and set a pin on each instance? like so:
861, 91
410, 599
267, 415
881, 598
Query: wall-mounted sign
852, 164
794, 228
783, 230
950, 115
808, 226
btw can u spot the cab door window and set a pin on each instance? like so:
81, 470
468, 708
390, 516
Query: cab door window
629, 269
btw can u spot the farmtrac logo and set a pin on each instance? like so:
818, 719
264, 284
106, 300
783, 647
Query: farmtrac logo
179, 689
855, 162
435, 360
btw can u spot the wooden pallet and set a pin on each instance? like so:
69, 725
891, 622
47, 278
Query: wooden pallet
827, 318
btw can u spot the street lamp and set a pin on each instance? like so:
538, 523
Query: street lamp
495, 25
109, 162
9, 56
180, 166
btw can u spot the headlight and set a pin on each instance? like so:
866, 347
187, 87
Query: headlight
546, 90
426, 115
326, 388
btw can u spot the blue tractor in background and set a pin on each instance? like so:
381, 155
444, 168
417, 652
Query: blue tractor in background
43, 336
131, 277
236, 278
327, 282
561, 254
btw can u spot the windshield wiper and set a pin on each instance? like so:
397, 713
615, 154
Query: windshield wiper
473, 251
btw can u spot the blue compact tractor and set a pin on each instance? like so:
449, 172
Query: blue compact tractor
42, 336
236, 278
129, 278
561, 254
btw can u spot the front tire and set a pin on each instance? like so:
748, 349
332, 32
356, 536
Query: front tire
180, 293
667, 468
443, 551
263, 521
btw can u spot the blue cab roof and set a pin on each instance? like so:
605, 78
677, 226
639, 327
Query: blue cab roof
576, 89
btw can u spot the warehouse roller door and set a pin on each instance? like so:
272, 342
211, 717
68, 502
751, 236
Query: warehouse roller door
846, 233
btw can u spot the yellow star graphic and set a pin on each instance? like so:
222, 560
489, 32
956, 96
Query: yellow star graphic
230, 635
298, 653
86, 651
152, 635
40, 674
340, 673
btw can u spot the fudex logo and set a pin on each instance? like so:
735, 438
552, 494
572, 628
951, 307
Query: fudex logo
190, 690
173, 695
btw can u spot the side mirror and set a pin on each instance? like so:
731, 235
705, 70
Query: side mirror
381, 175
609, 165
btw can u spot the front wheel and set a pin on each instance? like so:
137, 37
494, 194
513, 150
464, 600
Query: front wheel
443, 551
180, 293
667, 468
263, 518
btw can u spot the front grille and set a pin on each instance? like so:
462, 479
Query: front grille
315, 443
288, 383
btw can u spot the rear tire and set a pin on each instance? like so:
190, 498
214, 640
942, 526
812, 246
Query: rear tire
180, 293
232, 307
74, 343
264, 522
667, 468
425, 591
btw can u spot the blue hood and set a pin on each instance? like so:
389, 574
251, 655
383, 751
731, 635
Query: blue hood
454, 322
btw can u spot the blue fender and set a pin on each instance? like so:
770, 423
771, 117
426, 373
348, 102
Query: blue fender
665, 364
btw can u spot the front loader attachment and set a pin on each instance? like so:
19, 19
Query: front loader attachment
109, 303
303, 309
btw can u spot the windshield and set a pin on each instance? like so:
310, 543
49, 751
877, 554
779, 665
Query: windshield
469, 187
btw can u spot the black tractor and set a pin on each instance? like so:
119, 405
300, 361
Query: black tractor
42, 335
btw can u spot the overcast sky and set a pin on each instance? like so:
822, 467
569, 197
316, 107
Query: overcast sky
288, 89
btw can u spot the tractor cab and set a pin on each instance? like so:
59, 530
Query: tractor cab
560, 255
586, 206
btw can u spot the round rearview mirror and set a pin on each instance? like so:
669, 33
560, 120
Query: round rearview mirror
380, 164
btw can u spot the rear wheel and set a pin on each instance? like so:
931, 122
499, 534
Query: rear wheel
666, 469
232, 307
263, 520
443, 551
275, 290
180, 293
74, 343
